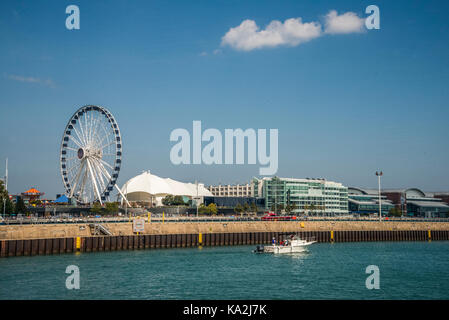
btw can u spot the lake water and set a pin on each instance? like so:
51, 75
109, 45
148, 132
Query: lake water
408, 270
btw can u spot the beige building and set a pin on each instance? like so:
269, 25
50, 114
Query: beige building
239, 190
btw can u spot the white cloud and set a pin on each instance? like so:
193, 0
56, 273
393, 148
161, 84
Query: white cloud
348, 22
46, 82
247, 36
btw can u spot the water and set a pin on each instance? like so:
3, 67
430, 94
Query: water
408, 270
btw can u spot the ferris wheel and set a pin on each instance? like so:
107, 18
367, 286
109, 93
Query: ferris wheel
91, 155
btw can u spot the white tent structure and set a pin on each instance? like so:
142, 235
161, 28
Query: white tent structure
150, 188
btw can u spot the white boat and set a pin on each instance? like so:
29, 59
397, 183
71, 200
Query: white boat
292, 245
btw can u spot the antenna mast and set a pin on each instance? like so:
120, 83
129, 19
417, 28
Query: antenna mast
6, 175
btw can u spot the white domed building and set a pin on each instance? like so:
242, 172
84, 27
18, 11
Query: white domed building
151, 189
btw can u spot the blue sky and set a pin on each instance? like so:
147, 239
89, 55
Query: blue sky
345, 104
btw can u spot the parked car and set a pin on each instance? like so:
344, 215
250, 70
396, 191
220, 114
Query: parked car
271, 216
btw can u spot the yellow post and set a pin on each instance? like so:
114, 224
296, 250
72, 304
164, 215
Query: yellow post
149, 217
200, 238
78, 243
301, 224
332, 236
163, 217
429, 235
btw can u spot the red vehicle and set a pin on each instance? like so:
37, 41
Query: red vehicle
271, 216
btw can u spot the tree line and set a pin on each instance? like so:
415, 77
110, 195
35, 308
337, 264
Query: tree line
245, 208
8, 206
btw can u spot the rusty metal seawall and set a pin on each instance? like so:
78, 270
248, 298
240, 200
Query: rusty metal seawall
32, 247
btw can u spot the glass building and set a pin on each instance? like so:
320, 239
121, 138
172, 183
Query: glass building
411, 202
232, 202
308, 196
416, 203
366, 202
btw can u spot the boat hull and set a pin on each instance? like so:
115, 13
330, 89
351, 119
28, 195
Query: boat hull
285, 249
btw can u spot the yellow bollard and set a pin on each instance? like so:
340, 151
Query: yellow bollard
301, 224
429, 235
149, 217
200, 238
332, 236
78, 243
163, 216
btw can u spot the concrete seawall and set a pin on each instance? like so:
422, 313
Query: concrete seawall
31, 247
23, 232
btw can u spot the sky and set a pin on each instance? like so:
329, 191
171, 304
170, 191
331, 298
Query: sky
347, 101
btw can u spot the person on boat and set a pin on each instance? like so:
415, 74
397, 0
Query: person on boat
273, 241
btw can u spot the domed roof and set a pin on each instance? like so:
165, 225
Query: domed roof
157, 186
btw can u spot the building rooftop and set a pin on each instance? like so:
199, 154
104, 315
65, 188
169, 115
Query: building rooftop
32, 192
432, 204
304, 180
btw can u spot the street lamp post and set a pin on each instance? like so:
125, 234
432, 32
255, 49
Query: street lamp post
196, 182
275, 199
379, 174
126, 200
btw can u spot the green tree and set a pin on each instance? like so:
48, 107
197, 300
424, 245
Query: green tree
395, 212
310, 208
3, 191
96, 208
291, 207
212, 208
167, 200
5, 203
20, 207
209, 210
238, 208
202, 209
178, 201
8, 207
253, 207
112, 207
170, 200
276, 208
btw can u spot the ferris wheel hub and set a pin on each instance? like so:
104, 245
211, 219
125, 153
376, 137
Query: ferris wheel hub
80, 153
90, 153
